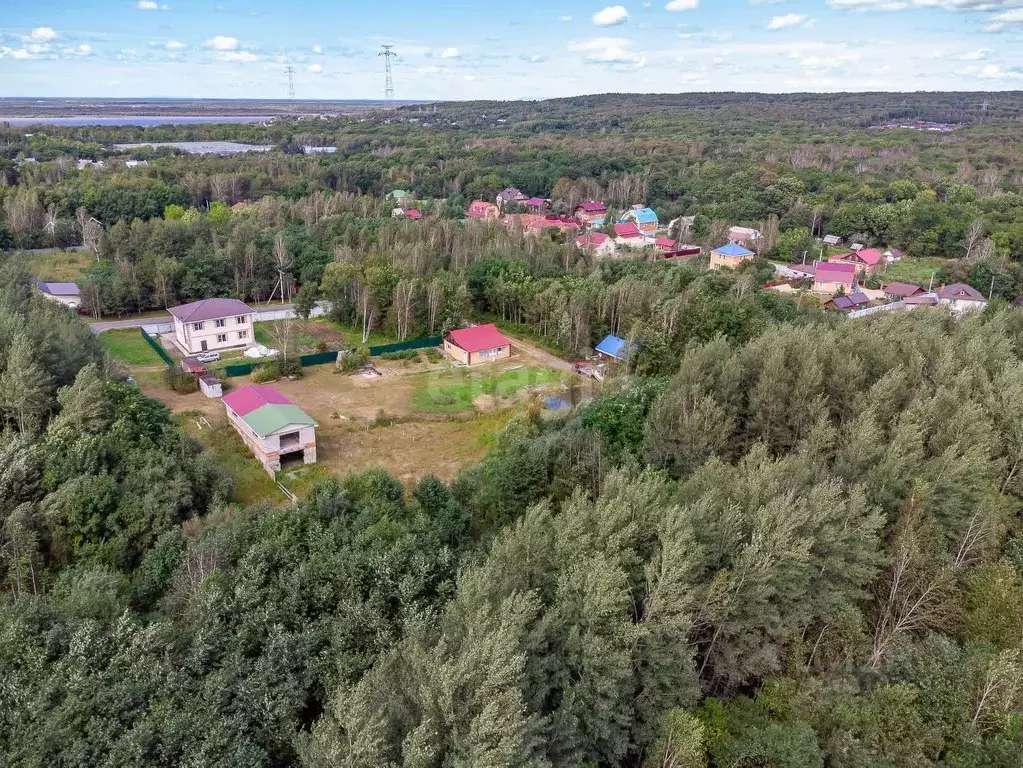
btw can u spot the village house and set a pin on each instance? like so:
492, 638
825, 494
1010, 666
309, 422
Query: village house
902, 290
794, 271
644, 218
271, 426
744, 235
397, 195
597, 243
830, 277
536, 205
212, 325
478, 344
614, 348
510, 195
564, 224
67, 294
591, 213
483, 211
731, 256
665, 244
865, 259
413, 214
832, 240
629, 234
847, 303
961, 298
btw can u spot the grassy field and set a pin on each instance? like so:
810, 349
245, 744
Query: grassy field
455, 391
911, 270
129, 347
58, 266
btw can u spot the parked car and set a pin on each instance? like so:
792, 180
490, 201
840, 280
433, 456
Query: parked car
208, 357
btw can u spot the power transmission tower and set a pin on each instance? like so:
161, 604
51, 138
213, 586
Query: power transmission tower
290, 70
388, 54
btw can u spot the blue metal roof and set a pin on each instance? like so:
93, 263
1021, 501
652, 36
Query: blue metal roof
642, 215
733, 249
597, 222
615, 347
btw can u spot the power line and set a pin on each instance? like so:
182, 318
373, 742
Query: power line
291, 82
388, 54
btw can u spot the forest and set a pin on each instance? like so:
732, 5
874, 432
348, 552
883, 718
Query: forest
782, 538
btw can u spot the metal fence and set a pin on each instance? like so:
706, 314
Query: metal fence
156, 347
401, 346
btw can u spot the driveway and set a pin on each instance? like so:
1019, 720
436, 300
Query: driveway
545, 357
263, 313
137, 322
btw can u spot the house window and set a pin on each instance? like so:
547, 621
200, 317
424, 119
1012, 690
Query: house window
197, 326
220, 323
243, 334
221, 338
240, 320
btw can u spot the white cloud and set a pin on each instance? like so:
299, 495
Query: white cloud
149, 5
222, 43
469, 78
314, 68
78, 50
1009, 17
611, 16
564, 19
682, 5
995, 72
973, 55
317, 48
240, 57
175, 45
788, 20
609, 50
41, 35
449, 53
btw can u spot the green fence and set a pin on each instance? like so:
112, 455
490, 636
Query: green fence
320, 358
401, 346
156, 347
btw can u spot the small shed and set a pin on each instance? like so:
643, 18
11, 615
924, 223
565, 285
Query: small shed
271, 426
67, 294
615, 348
479, 344
210, 385
192, 365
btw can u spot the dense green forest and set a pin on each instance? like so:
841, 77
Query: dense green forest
782, 538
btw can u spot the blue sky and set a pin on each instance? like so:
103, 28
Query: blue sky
524, 49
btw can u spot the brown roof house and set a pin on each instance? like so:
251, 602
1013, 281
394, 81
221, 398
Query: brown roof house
211, 325
961, 298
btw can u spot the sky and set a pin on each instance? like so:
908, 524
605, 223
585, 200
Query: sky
504, 50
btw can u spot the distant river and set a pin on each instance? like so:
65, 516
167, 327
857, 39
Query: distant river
143, 121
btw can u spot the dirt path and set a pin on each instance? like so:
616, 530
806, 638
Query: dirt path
541, 355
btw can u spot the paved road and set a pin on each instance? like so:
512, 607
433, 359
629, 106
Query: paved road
136, 322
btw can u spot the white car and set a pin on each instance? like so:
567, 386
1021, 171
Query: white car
208, 357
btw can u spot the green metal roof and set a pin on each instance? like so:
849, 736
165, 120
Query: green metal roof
271, 418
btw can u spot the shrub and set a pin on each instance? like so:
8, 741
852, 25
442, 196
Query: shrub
261, 374
181, 381
351, 360
276, 368
404, 354
434, 355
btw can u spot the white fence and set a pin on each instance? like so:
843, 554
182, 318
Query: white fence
874, 310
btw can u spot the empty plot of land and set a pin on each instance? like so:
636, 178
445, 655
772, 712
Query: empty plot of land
201, 147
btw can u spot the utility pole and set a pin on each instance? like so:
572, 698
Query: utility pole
388, 54
290, 70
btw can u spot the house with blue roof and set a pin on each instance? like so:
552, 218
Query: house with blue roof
731, 256
643, 217
616, 348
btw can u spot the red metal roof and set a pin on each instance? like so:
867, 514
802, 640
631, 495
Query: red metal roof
592, 206
479, 337
413, 213
591, 238
666, 243
627, 230
247, 399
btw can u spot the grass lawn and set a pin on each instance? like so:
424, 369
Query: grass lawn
129, 347
454, 391
58, 266
912, 270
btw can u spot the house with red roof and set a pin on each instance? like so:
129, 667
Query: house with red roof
865, 259
629, 234
830, 276
899, 290
591, 213
561, 223
483, 211
413, 214
536, 205
478, 344
273, 427
211, 325
597, 243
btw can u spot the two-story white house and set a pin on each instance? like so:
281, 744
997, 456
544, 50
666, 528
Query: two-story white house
211, 325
